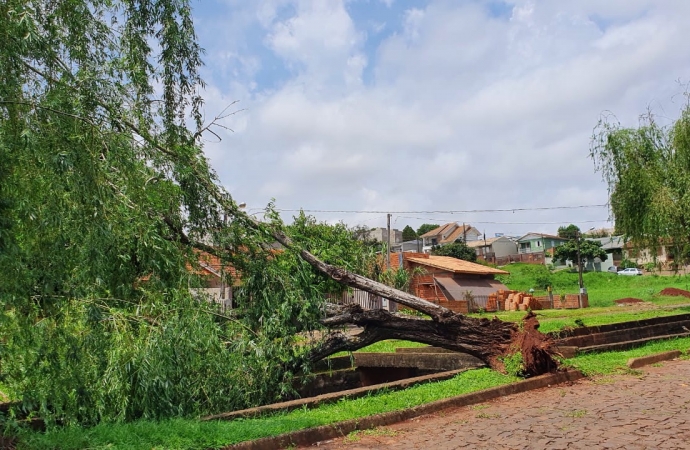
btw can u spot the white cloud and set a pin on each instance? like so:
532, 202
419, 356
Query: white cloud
461, 111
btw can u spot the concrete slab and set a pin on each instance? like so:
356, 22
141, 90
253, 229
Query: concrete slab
425, 361
634, 363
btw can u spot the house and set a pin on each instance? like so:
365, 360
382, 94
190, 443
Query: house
492, 248
662, 256
447, 234
381, 235
614, 246
407, 246
445, 279
539, 242
217, 279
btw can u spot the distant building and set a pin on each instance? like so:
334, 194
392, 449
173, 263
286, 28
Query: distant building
449, 233
381, 235
407, 246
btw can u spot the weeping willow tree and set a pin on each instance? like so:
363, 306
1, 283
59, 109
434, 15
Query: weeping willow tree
106, 198
105, 195
647, 169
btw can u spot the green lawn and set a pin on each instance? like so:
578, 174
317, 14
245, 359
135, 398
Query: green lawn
603, 287
612, 362
557, 319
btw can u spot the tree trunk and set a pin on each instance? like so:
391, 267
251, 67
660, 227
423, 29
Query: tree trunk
488, 340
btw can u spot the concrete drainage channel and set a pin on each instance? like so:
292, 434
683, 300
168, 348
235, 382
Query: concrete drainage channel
371, 372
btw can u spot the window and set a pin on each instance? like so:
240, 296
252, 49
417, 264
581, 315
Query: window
538, 243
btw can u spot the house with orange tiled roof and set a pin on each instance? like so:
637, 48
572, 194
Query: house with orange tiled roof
447, 234
446, 280
217, 278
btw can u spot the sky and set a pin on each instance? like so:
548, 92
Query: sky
471, 111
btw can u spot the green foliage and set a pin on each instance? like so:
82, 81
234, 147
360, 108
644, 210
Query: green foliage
399, 278
408, 233
514, 364
458, 250
588, 251
647, 170
626, 263
192, 434
425, 228
105, 198
334, 244
569, 232
543, 281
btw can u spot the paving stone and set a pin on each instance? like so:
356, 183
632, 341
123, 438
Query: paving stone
618, 412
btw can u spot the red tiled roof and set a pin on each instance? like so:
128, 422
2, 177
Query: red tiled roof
455, 265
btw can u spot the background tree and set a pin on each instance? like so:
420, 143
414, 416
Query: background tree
458, 250
647, 170
588, 251
598, 233
408, 234
425, 228
569, 232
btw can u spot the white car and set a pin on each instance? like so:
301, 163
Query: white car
630, 271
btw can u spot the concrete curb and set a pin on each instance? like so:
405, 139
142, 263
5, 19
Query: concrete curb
333, 397
635, 363
313, 435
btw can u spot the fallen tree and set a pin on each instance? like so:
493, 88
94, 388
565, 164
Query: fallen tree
104, 185
489, 340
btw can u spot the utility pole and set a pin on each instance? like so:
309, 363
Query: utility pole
388, 244
579, 270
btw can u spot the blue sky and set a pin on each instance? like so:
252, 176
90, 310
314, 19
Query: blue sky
432, 105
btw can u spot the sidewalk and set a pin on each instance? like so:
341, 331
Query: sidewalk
646, 411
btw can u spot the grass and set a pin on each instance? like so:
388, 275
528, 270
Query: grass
558, 319
390, 345
193, 434
615, 362
603, 287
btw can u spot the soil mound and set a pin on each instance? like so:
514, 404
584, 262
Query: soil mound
628, 301
675, 292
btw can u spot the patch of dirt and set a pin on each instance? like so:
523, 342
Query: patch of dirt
628, 301
675, 292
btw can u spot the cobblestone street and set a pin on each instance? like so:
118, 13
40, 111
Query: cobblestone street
646, 411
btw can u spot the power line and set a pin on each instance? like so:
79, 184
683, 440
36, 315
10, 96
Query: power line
451, 211
560, 222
